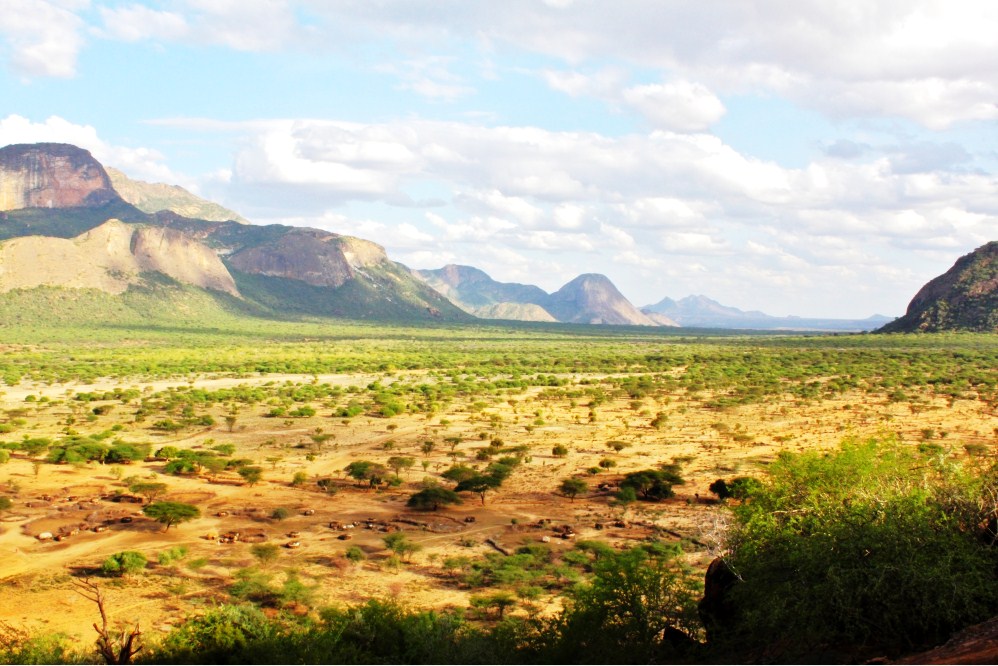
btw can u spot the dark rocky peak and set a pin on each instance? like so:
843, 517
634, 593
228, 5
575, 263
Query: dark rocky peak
963, 298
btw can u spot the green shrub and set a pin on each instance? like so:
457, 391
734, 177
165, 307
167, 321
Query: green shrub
868, 550
124, 563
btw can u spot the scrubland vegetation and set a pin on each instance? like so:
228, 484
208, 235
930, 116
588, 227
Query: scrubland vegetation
259, 491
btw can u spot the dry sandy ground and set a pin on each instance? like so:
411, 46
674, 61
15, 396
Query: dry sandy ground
37, 577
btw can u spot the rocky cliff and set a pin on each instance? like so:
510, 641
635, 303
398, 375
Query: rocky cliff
315, 257
963, 298
110, 258
51, 175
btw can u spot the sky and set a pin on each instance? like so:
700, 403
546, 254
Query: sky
812, 158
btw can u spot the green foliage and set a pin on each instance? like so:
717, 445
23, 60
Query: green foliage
652, 484
171, 555
217, 636
365, 470
18, 646
573, 486
632, 611
432, 498
171, 513
5, 503
280, 513
401, 546
265, 552
252, 474
148, 489
869, 549
479, 484
355, 554
124, 563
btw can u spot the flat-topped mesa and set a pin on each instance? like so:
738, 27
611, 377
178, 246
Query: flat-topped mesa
51, 175
318, 258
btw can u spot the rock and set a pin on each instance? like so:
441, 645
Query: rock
715, 609
110, 257
51, 175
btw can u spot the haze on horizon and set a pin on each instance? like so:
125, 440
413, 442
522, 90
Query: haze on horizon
821, 159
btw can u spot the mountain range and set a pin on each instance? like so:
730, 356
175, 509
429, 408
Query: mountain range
66, 222
588, 299
702, 312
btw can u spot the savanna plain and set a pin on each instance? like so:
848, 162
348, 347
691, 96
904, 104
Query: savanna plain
487, 490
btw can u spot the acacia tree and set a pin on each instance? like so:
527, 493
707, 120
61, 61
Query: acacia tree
365, 470
148, 489
171, 513
399, 463
251, 473
431, 499
479, 484
572, 487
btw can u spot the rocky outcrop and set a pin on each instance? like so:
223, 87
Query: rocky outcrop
312, 256
110, 258
51, 175
592, 299
963, 298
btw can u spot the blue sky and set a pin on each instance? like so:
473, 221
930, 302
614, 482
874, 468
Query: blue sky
810, 158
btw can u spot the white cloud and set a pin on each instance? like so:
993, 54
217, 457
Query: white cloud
681, 105
927, 60
41, 37
141, 163
132, 23
429, 77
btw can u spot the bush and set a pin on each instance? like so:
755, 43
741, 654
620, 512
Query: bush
124, 563
639, 608
870, 550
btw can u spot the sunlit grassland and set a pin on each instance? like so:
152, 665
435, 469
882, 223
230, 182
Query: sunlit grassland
734, 367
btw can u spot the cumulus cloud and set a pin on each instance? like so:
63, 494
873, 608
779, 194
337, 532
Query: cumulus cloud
41, 37
656, 202
140, 162
927, 60
261, 25
681, 105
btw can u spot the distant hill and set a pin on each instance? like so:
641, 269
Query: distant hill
56, 201
154, 197
703, 312
592, 299
588, 299
963, 298
474, 291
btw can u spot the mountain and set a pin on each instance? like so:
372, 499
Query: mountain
593, 299
51, 175
514, 312
110, 258
63, 225
963, 298
588, 299
703, 312
154, 197
472, 290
